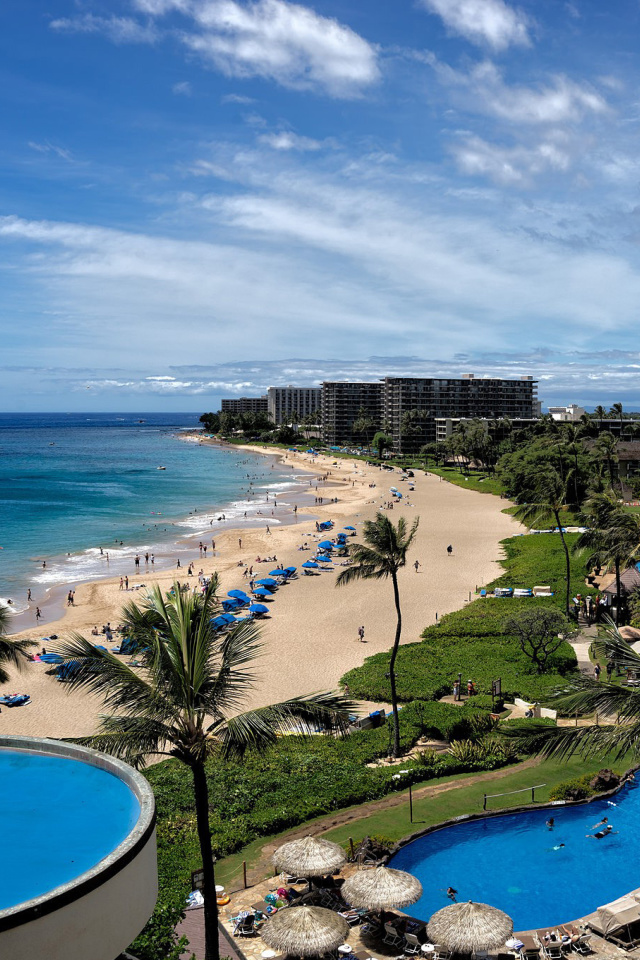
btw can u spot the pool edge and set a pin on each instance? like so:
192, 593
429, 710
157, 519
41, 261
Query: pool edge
109, 866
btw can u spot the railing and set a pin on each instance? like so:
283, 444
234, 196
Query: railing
492, 796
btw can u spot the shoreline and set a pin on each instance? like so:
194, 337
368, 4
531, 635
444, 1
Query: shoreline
310, 637
165, 551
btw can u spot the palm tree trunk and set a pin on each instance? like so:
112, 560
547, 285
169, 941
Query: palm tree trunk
567, 559
618, 591
392, 668
201, 793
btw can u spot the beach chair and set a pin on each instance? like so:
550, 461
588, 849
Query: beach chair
583, 944
391, 936
531, 950
411, 943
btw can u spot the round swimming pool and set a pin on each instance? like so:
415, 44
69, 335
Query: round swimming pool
60, 818
540, 877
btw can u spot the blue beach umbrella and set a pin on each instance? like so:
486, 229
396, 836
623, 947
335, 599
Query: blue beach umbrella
267, 582
289, 570
237, 594
234, 604
258, 608
326, 545
277, 573
324, 559
310, 565
262, 592
349, 528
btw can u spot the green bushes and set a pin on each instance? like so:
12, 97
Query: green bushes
579, 788
476, 641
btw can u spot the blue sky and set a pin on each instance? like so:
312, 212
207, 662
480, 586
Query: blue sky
200, 198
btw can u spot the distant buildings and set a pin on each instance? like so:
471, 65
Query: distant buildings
569, 414
342, 405
407, 408
290, 404
244, 405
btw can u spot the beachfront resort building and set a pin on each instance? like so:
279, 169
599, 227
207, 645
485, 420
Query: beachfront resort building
244, 405
343, 404
290, 405
568, 414
407, 407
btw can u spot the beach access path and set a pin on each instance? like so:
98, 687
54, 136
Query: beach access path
311, 636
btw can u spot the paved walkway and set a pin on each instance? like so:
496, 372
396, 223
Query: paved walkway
193, 928
581, 645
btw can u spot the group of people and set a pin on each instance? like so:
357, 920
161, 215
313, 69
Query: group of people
601, 829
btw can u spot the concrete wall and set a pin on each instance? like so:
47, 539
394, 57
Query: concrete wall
98, 914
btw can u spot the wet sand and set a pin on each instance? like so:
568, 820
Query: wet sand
311, 634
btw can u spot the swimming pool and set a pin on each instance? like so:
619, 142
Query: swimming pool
516, 863
60, 817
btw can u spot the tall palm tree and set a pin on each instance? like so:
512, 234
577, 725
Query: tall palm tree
550, 497
382, 555
616, 412
600, 413
12, 652
184, 702
606, 449
612, 537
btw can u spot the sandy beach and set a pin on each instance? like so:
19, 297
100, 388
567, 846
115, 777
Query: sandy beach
311, 634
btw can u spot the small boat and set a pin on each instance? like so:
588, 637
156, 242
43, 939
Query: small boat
161, 468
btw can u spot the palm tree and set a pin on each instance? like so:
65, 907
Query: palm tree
616, 412
612, 538
382, 555
600, 413
585, 695
551, 496
12, 652
606, 447
185, 700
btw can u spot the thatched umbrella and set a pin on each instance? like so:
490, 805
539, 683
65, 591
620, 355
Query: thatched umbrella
305, 931
309, 857
381, 888
467, 927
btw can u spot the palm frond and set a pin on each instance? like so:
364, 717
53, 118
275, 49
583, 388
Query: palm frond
256, 729
565, 742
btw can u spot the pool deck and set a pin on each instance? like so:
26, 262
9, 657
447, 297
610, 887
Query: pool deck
251, 947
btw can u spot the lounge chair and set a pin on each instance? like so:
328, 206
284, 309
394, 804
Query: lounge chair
411, 943
583, 944
531, 950
391, 936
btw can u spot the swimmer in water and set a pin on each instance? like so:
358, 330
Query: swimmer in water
608, 831
550, 824
600, 823
451, 893
558, 846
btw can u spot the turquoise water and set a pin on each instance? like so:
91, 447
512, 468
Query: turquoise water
59, 818
71, 484
510, 862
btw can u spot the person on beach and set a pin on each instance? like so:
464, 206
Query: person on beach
28, 596
361, 634
449, 550
240, 542
126, 583
416, 566
38, 614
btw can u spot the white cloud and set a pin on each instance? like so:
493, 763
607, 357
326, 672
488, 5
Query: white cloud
47, 147
508, 166
285, 42
285, 140
236, 98
489, 23
483, 88
182, 89
117, 29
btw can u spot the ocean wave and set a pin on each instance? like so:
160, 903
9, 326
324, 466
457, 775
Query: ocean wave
89, 565
13, 606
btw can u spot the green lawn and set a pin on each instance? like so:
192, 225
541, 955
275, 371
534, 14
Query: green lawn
480, 481
570, 518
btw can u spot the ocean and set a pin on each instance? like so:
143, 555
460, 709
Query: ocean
74, 487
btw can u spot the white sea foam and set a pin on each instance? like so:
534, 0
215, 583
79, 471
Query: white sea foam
88, 565
13, 606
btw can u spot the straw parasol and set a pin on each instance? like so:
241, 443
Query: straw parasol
309, 857
381, 888
305, 931
467, 927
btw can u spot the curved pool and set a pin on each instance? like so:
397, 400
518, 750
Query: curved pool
60, 817
516, 863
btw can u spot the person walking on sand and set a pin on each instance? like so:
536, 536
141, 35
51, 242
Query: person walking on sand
126, 583
38, 614
417, 566
361, 634
121, 583
240, 542
449, 549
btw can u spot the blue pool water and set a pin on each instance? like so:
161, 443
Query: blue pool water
58, 818
510, 862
